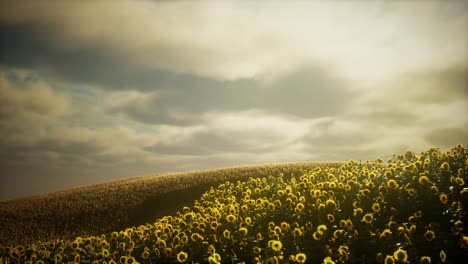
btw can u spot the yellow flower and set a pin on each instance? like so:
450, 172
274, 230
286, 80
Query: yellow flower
145, 255
243, 231
358, 211
297, 232
331, 218
299, 207
430, 235
445, 167
328, 260
376, 207
276, 245
424, 180
425, 260
317, 235
300, 258
368, 218
386, 234
321, 229
284, 226
389, 260
443, 198
182, 257
226, 234
257, 250
392, 184
338, 233
459, 181
331, 204
400, 255
443, 257
231, 218
130, 260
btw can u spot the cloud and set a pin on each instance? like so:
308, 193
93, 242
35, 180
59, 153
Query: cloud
446, 137
243, 132
364, 41
309, 92
22, 98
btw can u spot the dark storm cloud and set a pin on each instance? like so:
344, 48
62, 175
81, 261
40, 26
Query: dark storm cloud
30, 46
310, 92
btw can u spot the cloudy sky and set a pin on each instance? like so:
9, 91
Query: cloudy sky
92, 91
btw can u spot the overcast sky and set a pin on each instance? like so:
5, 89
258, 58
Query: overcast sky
92, 91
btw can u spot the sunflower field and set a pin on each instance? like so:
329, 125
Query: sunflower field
410, 209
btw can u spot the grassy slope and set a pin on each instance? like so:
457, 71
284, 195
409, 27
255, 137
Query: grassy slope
101, 208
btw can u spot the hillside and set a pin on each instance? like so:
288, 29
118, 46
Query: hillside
411, 209
115, 205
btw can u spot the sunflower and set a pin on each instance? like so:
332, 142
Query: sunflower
424, 180
321, 229
443, 198
243, 231
425, 260
459, 181
429, 235
445, 167
105, 253
386, 234
182, 257
400, 255
297, 232
257, 250
331, 204
276, 245
368, 218
284, 226
227, 234
145, 254
376, 207
317, 235
231, 218
358, 211
58, 258
300, 258
331, 218
389, 260
328, 260
168, 251
299, 207
392, 184
443, 257
130, 260
338, 233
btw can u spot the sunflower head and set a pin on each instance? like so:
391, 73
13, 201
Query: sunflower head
276, 245
368, 218
425, 260
182, 257
400, 255
300, 258
429, 235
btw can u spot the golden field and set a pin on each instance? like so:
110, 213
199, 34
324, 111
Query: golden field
409, 209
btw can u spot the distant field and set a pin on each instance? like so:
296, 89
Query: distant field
411, 209
102, 208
